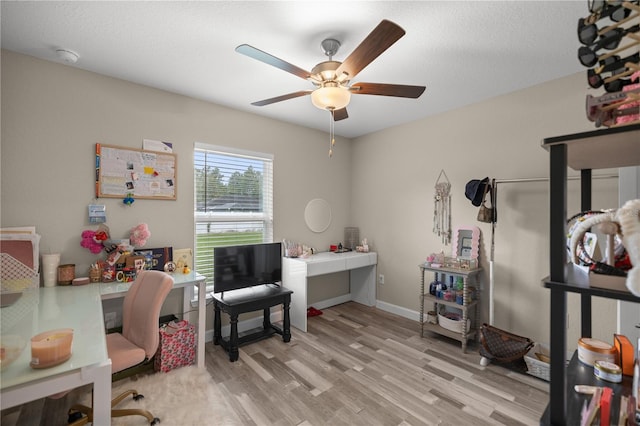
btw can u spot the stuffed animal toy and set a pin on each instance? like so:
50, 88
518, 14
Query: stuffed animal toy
598, 218
100, 237
139, 235
626, 221
102, 234
629, 218
89, 241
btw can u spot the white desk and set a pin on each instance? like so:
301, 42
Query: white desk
115, 290
43, 309
362, 279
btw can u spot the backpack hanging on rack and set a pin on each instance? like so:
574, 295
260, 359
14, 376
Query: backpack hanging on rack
485, 214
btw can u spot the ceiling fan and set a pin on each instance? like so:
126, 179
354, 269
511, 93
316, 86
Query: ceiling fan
332, 78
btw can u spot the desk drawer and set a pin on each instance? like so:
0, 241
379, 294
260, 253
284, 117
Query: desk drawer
325, 267
362, 261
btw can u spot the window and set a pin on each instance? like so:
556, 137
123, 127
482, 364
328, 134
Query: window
233, 201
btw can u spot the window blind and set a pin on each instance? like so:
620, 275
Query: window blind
233, 201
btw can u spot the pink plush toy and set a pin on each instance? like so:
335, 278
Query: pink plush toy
139, 235
89, 242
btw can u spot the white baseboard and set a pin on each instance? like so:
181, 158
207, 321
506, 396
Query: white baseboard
398, 310
323, 304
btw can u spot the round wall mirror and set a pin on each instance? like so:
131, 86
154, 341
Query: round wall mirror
317, 215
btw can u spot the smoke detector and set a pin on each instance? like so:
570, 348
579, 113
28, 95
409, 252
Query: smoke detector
67, 56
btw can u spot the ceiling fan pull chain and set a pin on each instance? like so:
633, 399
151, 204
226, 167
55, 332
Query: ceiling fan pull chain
331, 133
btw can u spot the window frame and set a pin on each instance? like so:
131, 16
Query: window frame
265, 216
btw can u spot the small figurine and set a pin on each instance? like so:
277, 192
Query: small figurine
128, 200
170, 267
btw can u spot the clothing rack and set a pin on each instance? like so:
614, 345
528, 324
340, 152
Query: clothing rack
494, 200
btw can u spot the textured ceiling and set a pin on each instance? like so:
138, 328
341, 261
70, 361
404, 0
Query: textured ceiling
463, 52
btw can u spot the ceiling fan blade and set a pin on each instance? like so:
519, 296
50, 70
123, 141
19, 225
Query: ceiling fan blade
340, 114
265, 57
281, 98
398, 90
379, 40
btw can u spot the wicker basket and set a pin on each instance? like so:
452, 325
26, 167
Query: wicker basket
452, 322
535, 367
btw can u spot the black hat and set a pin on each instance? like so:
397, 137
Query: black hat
475, 190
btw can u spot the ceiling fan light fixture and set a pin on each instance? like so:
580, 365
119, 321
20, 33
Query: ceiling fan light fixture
330, 97
328, 75
330, 47
325, 71
332, 79
342, 78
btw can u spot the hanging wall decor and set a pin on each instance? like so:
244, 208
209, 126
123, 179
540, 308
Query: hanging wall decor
442, 208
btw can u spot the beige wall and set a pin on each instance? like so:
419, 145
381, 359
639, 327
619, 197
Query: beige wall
393, 176
52, 115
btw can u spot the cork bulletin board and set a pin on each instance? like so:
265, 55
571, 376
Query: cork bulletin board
145, 174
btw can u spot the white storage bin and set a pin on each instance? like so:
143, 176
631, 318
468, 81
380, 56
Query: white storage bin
452, 322
535, 366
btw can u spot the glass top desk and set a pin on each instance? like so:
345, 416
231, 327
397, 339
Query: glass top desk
43, 309
115, 290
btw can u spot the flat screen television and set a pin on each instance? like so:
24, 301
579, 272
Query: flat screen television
247, 265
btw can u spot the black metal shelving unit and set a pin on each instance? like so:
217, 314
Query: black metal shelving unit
601, 149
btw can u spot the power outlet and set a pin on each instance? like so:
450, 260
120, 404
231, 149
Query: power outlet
381, 279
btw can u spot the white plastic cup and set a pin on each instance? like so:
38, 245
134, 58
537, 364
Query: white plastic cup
50, 263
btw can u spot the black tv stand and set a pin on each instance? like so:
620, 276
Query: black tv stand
250, 299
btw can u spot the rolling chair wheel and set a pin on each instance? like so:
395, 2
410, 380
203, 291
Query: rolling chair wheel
138, 397
155, 421
73, 416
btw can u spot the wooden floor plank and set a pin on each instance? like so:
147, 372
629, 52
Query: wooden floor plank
357, 365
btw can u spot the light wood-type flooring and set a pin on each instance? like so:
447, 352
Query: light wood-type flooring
356, 366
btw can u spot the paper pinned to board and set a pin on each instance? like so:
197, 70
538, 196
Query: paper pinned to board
160, 146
